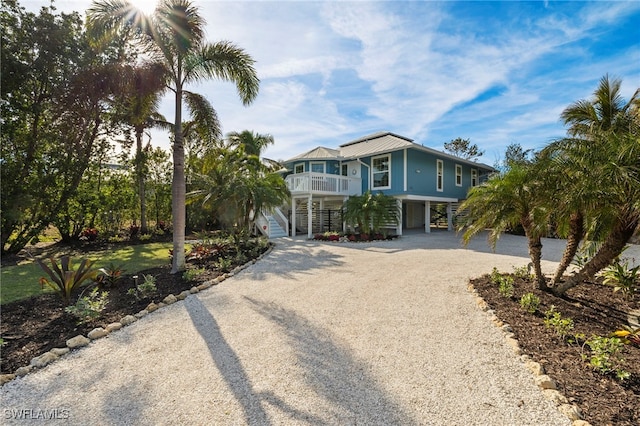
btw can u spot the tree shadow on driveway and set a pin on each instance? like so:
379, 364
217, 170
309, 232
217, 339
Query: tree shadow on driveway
334, 373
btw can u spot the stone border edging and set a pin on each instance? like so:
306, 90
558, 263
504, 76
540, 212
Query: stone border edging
546, 384
80, 341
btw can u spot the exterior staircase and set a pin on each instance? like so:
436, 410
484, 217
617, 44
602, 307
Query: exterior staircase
273, 224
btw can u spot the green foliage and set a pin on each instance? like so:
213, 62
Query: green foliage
370, 213
145, 289
628, 335
65, 279
111, 274
145, 237
530, 302
192, 274
224, 264
463, 148
623, 278
523, 272
505, 285
561, 326
89, 307
606, 356
495, 276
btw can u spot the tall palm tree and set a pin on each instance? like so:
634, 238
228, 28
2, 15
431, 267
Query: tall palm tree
599, 166
505, 201
174, 36
139, 109
253, 143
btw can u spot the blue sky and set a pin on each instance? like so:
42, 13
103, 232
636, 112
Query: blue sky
495, 72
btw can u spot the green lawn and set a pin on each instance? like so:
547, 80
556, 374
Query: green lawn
21, 281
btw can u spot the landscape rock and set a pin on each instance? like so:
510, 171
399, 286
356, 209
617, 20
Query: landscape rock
97, 333
514, 345
114, 326
580, 423
152, 307
60, 351
129, 319
204, 286
555, 396
535, 367
77, 342
24, 370
170, 299
571, 411
183, 295
4, 378
194, 290
545, 382
44, 359
141, 314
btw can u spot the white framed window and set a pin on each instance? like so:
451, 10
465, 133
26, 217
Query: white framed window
381, 172
345, 170
474, 177
317, 167
458, 175
439, 175
298, 168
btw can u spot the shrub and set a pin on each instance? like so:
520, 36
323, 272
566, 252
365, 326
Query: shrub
505, 286
65, 279
145, 237
89, 307
224, 264
89, 234
628, 335
622, 278
144, 289
192, 274
523, 272
495, 276
553, 319
116, 239
133, 231
111, 275
606, 356
530, 302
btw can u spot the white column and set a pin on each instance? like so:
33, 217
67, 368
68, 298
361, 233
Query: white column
293, 217
310, 216
449, 217
427, 216
400, 218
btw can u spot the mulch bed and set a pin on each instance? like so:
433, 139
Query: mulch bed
595, 310
36, 325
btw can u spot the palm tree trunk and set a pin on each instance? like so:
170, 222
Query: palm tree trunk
178, 188
141, 186
535, 252
611, 248
576, 232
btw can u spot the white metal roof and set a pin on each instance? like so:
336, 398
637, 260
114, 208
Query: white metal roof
319, 152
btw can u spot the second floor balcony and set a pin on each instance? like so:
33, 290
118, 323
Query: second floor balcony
323, 184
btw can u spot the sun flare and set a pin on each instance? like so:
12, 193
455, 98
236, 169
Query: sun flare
145, 6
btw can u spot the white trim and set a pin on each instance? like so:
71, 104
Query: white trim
405, 171
427, 198
458, 175
439, 175
388, 171
315, 163
295, 165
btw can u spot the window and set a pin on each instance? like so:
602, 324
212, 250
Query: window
345, 170
458, 175
298, 168
380, 170
474, 177
440, 175
317, 167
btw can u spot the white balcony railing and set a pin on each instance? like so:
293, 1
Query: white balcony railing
321, 183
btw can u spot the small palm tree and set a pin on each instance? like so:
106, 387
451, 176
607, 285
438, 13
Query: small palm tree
370, 213
505, 201
174, 36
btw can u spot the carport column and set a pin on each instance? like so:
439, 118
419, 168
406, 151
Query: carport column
293, 217
399, 228
344, 224
310, 216
449, 217
427, 216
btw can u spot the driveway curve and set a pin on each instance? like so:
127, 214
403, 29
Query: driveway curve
315, 333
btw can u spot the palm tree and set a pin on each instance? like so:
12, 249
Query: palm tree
139, 109
599, 165
174, 36
371, 212
504, 202
253, 143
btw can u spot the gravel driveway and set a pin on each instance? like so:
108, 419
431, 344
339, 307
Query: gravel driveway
315, 333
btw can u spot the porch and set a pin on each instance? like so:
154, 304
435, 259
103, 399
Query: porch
312, 183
